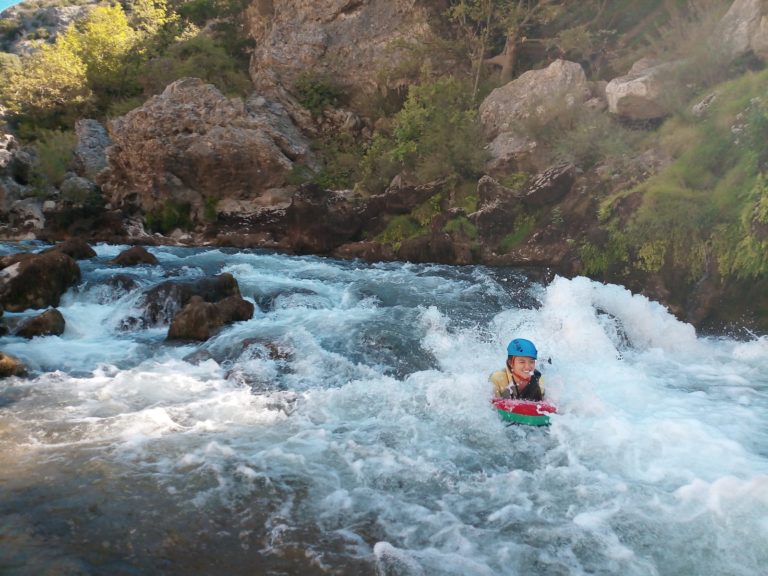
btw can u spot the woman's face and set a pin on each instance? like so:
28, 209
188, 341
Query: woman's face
523, 366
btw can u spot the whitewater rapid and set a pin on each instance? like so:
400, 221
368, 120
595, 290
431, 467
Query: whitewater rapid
346, 429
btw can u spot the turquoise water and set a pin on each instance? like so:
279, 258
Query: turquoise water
346, 429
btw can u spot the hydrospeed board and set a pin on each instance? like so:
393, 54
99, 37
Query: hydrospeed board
524, 411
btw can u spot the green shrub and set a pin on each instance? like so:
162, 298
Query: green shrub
436, 134
209, 212
169, 216
198, 12
398, 229
54, 155
461, 227
316, 92
598, 260
522, 228
200, 56
340, 157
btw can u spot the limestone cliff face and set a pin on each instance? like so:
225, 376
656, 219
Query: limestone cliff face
192, 144
360, 44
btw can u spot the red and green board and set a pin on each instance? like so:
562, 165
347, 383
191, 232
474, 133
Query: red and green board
524, 411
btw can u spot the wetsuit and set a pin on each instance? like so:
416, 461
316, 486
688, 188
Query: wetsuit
504, 386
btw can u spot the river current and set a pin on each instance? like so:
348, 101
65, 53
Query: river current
346, 429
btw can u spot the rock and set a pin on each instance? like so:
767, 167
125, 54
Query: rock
511, 152
78, 190
161, 303
75, 248
90, 156
436, 247
400, 198
550, 186
199, 319
27, 214
743, 29
11, 366
537, 94
640, 94
122, 283
49, 323
365, 250
134, 256
318, 220
359, 45
192, 145
490, 191
7, 146
37, 281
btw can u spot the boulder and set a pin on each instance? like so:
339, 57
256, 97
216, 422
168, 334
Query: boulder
134, 256
27, 214
510, 152
75, 248
11, 366
78, 190
536, 94
366, 250
743, 29
192, 145
199, 320
359, 45
550, 186
49, 323
37, 281
640, 94
318, 220
161, 303
90, 156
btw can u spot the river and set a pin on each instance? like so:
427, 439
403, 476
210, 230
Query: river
346, 429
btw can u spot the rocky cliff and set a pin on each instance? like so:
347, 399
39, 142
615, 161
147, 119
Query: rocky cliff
193, 165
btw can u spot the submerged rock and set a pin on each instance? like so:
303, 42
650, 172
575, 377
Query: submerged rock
49, 323
37, 280
11, 366
199, 320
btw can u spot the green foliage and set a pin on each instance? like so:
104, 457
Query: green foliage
436, 134
200, 56
398, 229
516, 181
209, 212
426, 212
461, 227
9, 63
522, 228
50, 89
686, 39
198, 12
598, 260
316, 92
103, 41
580, 135
743, 247
412, 225
651, 255
169, 216
54, 155
710, 202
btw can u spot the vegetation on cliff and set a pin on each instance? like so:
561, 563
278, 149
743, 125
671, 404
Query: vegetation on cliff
683, 196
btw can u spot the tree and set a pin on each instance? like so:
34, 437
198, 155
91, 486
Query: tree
103, 41
507, 20
49, 87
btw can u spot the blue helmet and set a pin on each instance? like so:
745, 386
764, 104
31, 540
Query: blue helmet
522, 347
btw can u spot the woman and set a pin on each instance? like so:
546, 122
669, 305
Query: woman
519, 379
